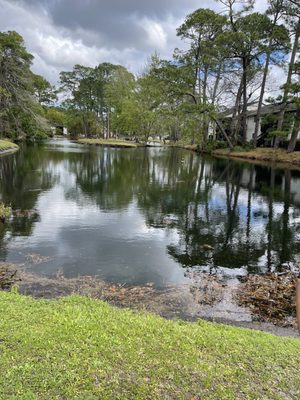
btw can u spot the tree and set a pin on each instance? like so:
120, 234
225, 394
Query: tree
20, 114
56, 116
278, 41
91, 93
244, 44
201, 30
294, 90
119, 93
43, 90
79, 87
293, 17
177, 81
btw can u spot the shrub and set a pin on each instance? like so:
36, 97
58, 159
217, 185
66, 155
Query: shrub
214, 145
5, 212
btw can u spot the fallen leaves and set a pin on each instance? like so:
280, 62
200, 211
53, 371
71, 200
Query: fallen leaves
270, 296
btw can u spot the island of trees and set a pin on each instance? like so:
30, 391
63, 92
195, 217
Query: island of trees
204, 95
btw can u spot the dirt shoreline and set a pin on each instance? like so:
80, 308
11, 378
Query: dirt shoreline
210, 298
122, 144
278, 158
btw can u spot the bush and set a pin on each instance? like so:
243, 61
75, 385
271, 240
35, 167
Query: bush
214, 145
5, 212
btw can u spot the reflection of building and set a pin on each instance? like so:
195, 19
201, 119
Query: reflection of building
295, 189
269, 110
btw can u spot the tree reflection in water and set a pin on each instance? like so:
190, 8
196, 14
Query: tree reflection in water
213, 212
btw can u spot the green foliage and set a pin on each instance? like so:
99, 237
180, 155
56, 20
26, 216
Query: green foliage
180, 98
56, 116
94, 94
270, 122
5, 212
212, 145
20, 114
44, 91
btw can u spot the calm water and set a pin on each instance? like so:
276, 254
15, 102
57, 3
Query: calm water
144, 215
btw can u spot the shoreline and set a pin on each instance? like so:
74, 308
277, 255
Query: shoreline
187, 302
7, 147
263, 155
278, 158
108, 143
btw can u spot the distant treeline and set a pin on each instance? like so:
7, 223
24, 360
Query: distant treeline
225, 63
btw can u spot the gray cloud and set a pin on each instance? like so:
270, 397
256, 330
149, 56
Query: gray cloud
115, 23
61, 33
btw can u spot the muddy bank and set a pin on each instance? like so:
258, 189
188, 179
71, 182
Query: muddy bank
264, 156
278, 158
208, 296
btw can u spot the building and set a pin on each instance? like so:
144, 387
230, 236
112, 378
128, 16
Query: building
264, 127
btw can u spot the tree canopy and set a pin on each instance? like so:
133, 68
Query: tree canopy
224, 63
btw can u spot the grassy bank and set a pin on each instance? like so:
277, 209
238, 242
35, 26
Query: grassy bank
79, 348
6, 146
108, 142
262, 154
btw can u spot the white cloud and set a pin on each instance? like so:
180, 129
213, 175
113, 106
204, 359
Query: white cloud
156, 36
61, 33
55, 49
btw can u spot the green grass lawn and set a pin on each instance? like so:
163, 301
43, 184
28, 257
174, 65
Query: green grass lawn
81, 348
108, 142
7, 145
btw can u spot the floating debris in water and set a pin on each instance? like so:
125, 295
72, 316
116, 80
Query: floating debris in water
8, 276
37, 258
271, 297
207, 289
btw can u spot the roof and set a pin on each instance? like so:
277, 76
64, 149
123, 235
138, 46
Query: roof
267, 109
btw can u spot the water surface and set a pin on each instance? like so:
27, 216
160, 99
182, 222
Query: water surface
146, 215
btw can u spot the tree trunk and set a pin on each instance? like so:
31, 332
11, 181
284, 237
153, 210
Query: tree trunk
288, 82
261, 97
263, 85
298, 303
296, 129
216, 86
234, 122
223, 132
204, 122
245, 100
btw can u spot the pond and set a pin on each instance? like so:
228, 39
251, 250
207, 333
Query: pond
145, 215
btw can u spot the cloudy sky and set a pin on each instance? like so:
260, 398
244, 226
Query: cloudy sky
61, 33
